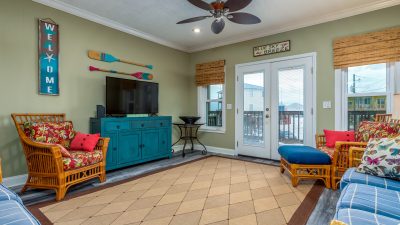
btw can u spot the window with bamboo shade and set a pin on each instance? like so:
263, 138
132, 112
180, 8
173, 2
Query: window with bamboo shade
210, 73
370, 48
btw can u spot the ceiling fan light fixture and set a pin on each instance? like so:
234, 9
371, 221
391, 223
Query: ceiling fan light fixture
196, 30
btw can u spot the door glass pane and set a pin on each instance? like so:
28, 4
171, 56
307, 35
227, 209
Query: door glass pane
291, 106
253, 103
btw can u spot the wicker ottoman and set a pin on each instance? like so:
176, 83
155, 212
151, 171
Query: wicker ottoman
304, 162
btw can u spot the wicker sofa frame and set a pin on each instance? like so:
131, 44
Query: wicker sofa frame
45, 164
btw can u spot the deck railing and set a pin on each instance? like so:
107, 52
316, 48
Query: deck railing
214, 119
355, 117
291, 127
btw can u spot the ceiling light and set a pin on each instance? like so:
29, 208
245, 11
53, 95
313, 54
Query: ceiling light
196, 30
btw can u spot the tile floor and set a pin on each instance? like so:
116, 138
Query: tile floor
214, 190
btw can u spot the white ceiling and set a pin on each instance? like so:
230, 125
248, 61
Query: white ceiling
155, 20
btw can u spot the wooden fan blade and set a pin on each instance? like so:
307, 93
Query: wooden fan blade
243, 18
194, 19
217, 26
201, 4
235, 5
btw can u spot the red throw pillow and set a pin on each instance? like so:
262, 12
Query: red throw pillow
333, 136
85, 142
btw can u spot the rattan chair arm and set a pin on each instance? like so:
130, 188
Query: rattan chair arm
102, 145
340, 155
355, 156
48, 149
320, 140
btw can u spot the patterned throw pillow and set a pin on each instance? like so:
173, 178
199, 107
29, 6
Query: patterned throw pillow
382, 158
368, 129
64, 152
50, 132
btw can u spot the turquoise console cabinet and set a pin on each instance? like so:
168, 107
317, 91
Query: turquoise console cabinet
134, 140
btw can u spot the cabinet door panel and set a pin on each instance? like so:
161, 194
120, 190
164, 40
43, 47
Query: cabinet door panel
150, 142
163, 141
111, 158
129, 147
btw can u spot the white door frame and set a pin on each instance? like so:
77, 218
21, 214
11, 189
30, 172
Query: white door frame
313, 55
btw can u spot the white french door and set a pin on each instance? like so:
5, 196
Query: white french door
253, 110
274, 105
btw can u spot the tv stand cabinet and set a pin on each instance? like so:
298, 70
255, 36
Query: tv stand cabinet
134, 140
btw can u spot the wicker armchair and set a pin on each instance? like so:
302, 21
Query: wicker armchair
45, 164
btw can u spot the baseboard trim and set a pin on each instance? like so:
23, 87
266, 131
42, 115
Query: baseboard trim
212, 149
15, 181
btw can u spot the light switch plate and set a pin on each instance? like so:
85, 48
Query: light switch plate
228, 106
326, 104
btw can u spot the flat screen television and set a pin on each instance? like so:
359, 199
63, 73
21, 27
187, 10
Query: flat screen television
125, 96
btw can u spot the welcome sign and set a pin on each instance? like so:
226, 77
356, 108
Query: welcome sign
48, 58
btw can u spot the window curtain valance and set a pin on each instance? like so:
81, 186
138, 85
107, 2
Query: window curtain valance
210, 73
370, 48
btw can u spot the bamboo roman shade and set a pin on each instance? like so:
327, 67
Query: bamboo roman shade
371, 48
210, 73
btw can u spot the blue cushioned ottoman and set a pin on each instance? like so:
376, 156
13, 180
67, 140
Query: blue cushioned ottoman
299, 154
304, 162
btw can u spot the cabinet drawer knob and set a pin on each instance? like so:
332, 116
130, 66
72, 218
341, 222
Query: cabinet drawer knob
163, 142
114, 148
142, 125
118, 126
161, 124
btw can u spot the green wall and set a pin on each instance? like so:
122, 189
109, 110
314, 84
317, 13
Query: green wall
174, 70
316, 38
80, 89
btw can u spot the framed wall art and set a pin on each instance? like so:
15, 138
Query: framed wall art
268, 49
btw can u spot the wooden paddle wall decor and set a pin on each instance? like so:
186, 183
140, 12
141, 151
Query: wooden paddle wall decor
105, 57
138, 75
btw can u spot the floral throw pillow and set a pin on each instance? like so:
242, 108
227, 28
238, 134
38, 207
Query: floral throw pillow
382, 158
50, 132
369, 129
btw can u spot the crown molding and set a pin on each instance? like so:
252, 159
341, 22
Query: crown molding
238, 38
300, 24
107, 22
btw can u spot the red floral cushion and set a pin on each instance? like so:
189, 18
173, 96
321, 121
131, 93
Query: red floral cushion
327, 150
367, 130
50, 132
82, 158
85, 142
333, 136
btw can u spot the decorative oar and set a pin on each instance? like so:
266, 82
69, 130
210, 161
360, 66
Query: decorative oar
138, 75
110, 58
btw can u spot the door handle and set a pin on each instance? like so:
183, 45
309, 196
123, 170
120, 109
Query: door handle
267, 116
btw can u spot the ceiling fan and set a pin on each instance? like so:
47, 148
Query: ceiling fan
220, 9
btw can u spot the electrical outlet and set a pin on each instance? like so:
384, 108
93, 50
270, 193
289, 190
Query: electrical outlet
228, 106
326, 104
